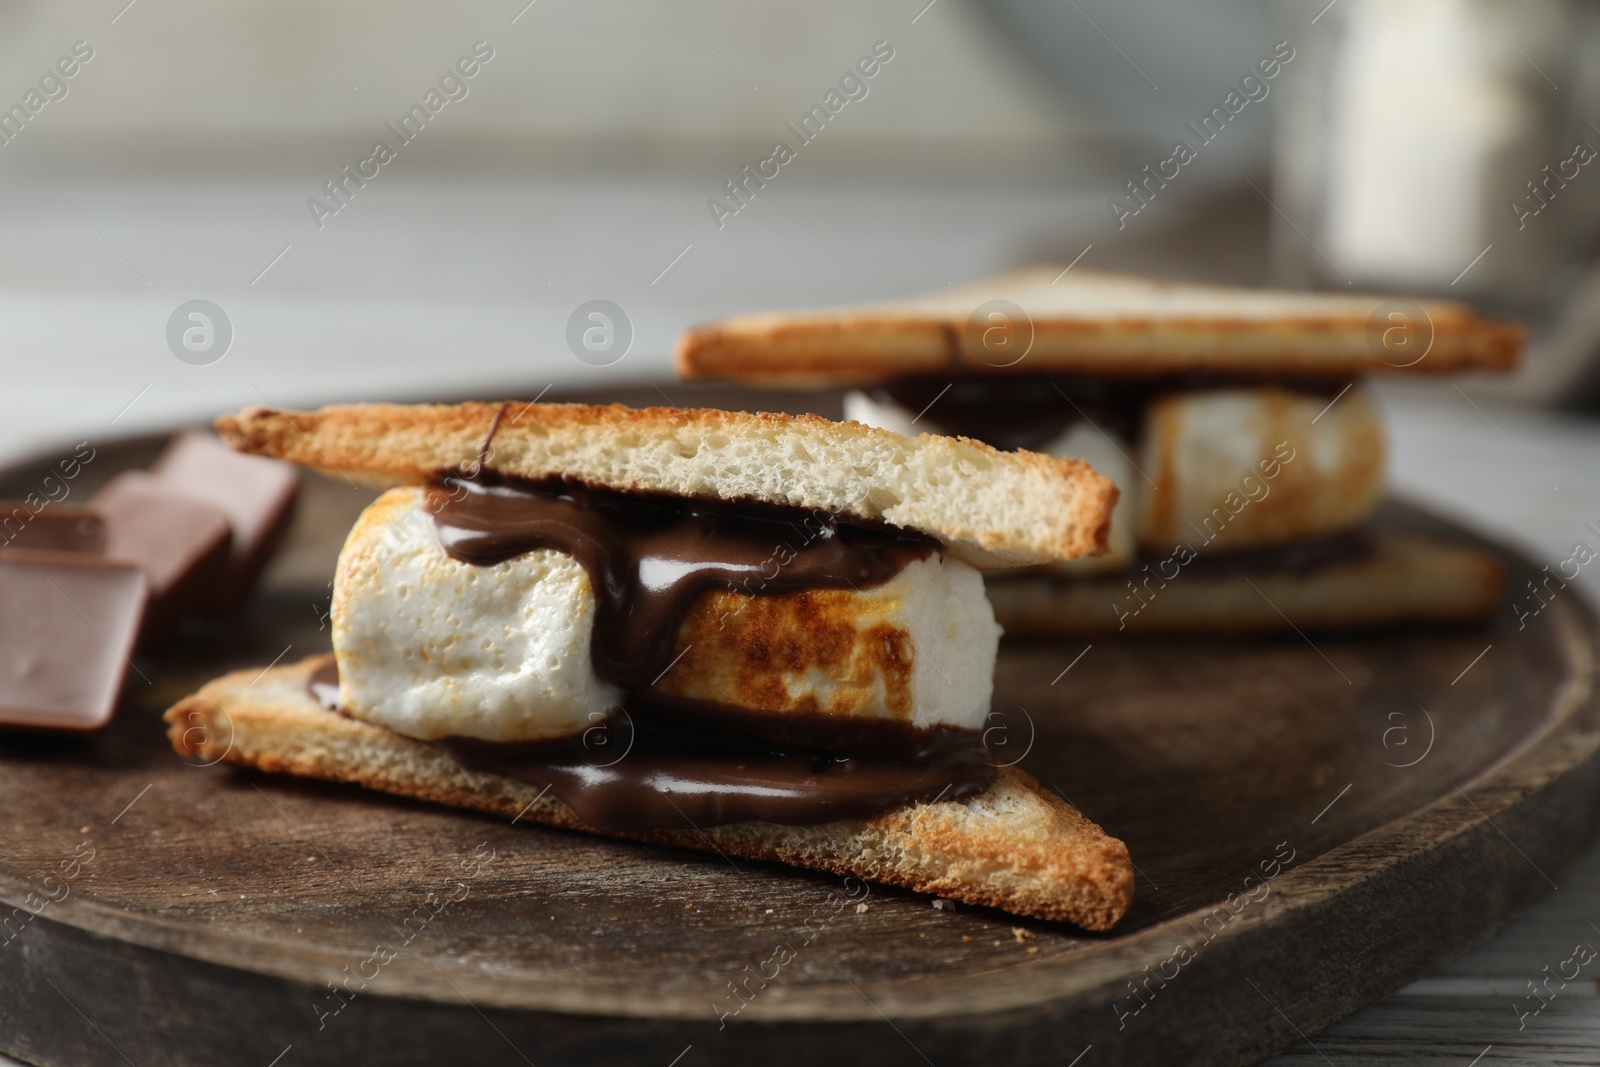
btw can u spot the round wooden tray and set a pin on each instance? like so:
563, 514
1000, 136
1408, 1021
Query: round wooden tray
1410, 790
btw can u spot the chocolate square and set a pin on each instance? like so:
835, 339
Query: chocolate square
180, 544
68, 623
53, 528
257, 494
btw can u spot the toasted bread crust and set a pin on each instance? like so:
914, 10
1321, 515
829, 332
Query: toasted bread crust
990, 508
1407, 579
1089, 322
1014, 847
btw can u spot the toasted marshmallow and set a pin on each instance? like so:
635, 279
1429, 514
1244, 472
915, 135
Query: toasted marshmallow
1108, 454
919, 649
1242, 468
431, 647
884, 415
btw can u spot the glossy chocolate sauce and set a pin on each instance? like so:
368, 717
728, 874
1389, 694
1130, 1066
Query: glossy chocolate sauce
1028, 412
650, 557
652, 773
659, 765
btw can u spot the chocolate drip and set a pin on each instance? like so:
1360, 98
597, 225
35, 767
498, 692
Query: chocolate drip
651, 773
649, 558
1029, 412
664, 766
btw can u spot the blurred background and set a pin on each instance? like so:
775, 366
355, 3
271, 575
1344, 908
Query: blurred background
205, 151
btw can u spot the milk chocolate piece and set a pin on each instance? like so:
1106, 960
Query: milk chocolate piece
180, 544
68, 623
257, 494
53, 528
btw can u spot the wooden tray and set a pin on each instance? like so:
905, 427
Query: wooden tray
1427, 785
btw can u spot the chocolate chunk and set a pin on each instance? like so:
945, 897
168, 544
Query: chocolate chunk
257, 494
53, 528
67, 628
180, 544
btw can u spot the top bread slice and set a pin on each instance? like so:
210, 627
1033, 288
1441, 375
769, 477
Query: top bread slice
989, 508
1087, 322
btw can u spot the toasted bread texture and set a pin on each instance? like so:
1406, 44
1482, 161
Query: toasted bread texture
989, 508
1014, 847
1406, 579
1086, 322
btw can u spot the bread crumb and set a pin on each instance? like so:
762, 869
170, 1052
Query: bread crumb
861, 909
686, 907
1021, 935
769, 911
966, 937
1033, 950
943, 904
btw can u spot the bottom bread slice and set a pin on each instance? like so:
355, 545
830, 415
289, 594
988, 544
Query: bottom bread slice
1014, 846
1405, 579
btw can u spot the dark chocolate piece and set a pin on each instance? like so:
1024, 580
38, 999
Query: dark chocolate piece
650, 557
68, 623
53, 528
257, 495
179, 543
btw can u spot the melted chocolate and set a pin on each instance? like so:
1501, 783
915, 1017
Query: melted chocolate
889, 739
650, 773
1296, 557
1014, 414
662, 766
1027, 412
650, 557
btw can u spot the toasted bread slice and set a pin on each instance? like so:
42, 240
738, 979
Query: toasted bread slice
1406, 579
1014, 847
1086, 322
989, 508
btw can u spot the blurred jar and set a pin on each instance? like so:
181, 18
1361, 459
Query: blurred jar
1440, 146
